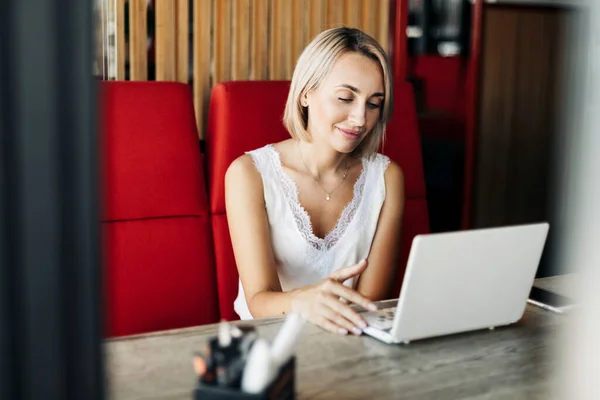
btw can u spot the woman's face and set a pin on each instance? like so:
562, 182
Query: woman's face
346, 106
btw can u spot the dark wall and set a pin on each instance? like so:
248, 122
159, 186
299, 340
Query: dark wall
522, 85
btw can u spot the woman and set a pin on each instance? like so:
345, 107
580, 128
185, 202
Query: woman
315, 220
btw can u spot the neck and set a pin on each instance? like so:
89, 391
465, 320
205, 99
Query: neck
322, 161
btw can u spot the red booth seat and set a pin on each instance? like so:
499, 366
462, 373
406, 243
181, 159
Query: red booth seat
157, 239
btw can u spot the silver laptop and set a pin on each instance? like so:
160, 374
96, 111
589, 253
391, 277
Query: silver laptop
461, 281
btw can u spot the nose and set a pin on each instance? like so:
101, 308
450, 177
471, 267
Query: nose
357, 115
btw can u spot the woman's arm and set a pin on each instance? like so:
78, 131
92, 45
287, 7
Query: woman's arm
377, 281
249, 230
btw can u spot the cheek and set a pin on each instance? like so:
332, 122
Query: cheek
329, 113
372, 119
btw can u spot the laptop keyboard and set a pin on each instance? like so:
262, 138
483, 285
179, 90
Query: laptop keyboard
380, 319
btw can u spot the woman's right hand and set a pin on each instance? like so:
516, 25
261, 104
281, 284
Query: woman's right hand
321, 303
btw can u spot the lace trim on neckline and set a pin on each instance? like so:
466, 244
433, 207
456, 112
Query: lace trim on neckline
301, 216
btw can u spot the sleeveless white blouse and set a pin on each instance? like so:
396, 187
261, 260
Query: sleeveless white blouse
303, 258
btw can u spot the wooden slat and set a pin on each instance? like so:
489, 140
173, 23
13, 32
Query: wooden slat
384, 24
122, 51
137, 40
182, 31
240, 57
352, 11
287, 45
299, 30
275, 40
222, 40
369, 17
317, 17
259, 56
202, 26
166, 53
335, 13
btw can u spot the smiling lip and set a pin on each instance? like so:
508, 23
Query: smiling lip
349, 133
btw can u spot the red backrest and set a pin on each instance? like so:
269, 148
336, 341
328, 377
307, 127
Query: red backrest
403, 145
245, 115
158, 255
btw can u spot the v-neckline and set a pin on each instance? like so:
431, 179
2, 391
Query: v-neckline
303, 218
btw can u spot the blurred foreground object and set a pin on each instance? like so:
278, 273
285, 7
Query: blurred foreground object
579, 210
50, 333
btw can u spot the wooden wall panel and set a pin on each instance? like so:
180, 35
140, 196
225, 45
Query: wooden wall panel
335, 13
276, 43
352, 13
259, 58
202, 42
518, 114
166, 40
240, 39
369, 17
300, 36
383, 23
182, 31
240, 57
222, 40
317, 10
122, 50
138, 58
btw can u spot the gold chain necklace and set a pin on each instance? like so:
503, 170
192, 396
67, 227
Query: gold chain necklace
327, 194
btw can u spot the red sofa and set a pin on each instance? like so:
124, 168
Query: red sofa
245, 115
158, 251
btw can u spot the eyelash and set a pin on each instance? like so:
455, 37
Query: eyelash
372, 106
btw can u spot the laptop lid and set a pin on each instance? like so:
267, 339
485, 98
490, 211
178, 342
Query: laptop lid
467, 280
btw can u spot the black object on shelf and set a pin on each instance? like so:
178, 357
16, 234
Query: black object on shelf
439, 27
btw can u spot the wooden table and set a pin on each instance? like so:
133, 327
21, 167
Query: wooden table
515, 362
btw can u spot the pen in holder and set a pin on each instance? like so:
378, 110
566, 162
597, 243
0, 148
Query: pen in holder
237, 364
282, 388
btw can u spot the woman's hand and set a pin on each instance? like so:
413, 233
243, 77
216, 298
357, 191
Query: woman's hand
321, 303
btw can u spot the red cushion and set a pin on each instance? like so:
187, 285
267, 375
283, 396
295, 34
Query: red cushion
227, 274
156, 226
160, 274
403, 145
152, 151
245, 115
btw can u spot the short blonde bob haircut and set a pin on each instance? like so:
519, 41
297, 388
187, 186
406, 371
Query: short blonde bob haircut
316, 62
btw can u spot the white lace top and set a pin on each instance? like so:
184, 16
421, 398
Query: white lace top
303, 258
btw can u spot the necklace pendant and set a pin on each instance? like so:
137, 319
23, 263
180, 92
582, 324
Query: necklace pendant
327, 197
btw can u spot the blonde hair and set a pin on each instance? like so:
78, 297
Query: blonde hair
316, 62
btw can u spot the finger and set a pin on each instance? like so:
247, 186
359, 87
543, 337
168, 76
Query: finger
348, 272
345, 316
348, 294
329, 311
328, 325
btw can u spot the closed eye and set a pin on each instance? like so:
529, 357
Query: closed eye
345, 100
373, 106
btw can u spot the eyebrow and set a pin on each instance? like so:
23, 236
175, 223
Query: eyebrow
355, 90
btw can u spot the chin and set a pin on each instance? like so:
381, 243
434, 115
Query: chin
345, 146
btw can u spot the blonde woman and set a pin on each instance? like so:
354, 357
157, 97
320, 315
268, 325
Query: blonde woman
315, 220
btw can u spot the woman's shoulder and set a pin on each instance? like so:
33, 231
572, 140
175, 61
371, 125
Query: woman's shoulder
382, 161
394, 180
391, 170
253, 163
242, 168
